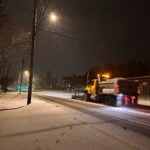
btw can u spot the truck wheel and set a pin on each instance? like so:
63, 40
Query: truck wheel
73, 97
110, 100
97, 98
107, 99
101, 99
86, 96
114, 101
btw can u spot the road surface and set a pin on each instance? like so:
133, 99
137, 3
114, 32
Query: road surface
136, 119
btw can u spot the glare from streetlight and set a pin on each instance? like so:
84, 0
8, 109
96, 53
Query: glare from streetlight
53, 17
26, 73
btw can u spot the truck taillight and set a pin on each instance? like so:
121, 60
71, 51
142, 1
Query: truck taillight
133, 99
126, 99
129, 99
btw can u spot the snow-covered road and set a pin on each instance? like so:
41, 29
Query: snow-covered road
135, 119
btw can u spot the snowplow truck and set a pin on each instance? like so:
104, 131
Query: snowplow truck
115, 92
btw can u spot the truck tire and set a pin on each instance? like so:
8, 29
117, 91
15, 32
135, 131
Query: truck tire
86, 96
73, 97
98, 98
114, 101
111, 100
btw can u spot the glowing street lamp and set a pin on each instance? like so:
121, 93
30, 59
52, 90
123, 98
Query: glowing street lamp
26, 73
53, 17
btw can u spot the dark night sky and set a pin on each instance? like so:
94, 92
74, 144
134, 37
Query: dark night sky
115, 31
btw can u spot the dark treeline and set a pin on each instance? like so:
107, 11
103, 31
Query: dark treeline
128, 69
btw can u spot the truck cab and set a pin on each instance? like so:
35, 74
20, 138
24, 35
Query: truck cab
92, 86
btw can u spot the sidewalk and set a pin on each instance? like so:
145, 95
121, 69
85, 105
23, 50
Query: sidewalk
50, 126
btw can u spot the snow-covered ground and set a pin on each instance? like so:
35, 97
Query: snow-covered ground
51, 126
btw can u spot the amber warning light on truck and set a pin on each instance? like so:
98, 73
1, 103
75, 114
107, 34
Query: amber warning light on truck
103, 76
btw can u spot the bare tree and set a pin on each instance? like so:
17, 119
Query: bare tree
16, 48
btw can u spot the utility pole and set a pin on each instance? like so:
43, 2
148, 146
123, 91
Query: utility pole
35, 25
32, 53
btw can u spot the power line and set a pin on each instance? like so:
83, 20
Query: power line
70, 36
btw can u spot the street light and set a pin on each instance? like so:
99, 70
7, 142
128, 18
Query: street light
26, 73
53, 17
